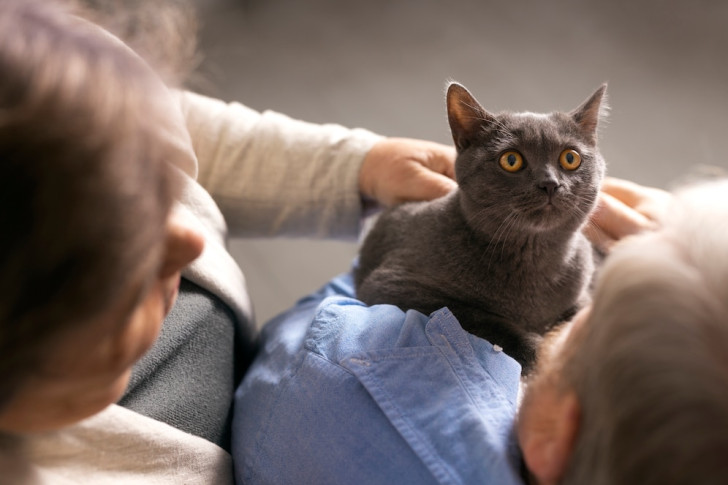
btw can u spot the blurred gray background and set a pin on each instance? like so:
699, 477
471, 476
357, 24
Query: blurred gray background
383, 65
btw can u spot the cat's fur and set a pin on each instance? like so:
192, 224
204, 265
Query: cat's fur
505, 251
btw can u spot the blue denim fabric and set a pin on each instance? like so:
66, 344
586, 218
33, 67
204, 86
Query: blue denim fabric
342, 393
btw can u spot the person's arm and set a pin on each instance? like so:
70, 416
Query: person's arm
625, 208
273, 175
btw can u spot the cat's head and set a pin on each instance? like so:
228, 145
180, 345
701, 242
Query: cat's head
532, 172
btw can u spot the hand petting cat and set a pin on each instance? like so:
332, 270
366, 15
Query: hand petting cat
399, 170
625, 208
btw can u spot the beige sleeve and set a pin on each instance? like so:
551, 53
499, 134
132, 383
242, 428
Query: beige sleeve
116, 446
272, 175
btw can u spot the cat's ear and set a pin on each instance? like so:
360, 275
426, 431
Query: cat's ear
465, 115
591, 112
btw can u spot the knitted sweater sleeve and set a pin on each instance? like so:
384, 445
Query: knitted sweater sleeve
275, 176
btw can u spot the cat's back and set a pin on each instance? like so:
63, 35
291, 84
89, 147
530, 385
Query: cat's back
404, 233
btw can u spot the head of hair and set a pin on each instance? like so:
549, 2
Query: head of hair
651, 365
86, 187
163, 32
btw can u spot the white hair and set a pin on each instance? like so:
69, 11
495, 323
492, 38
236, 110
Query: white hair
651, 366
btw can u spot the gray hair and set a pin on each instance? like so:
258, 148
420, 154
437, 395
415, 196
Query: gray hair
651, 366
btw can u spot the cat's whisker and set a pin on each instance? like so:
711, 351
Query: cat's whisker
595, 229
514, 224
509, 223
495, 237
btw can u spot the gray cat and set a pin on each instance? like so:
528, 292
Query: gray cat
505, 251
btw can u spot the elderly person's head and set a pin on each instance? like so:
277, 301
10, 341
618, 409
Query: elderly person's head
90, 249
636, 390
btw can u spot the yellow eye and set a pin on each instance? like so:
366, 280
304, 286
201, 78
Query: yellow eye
570, 159
511, 161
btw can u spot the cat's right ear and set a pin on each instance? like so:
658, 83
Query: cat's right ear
465, 115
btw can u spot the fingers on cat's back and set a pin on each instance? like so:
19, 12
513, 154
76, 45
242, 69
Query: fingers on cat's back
625, 191
650, 202
618, 219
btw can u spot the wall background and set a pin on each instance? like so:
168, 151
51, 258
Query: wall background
383, 65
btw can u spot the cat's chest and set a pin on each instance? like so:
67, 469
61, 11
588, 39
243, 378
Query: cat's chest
519, 279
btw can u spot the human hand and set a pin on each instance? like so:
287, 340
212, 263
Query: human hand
625, 208
398, 170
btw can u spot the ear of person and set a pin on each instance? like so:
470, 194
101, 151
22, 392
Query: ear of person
548, 435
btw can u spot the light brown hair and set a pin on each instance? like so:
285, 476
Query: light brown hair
85, 187
163, 32
651, 366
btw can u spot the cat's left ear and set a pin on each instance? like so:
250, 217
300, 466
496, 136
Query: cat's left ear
591, 112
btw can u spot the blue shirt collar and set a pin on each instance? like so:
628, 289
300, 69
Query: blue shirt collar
474, 387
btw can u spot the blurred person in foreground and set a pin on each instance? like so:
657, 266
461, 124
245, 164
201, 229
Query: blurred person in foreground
125, 324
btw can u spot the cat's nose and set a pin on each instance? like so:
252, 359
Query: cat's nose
549, 186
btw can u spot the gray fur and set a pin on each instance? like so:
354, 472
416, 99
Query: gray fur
507, 263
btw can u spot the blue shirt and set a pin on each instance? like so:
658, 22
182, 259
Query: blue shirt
342, 393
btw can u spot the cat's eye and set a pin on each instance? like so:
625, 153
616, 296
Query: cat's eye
570, 159
511, 161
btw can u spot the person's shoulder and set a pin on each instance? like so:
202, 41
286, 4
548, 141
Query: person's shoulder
343, 326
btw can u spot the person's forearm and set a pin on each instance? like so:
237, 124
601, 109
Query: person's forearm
272, 175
